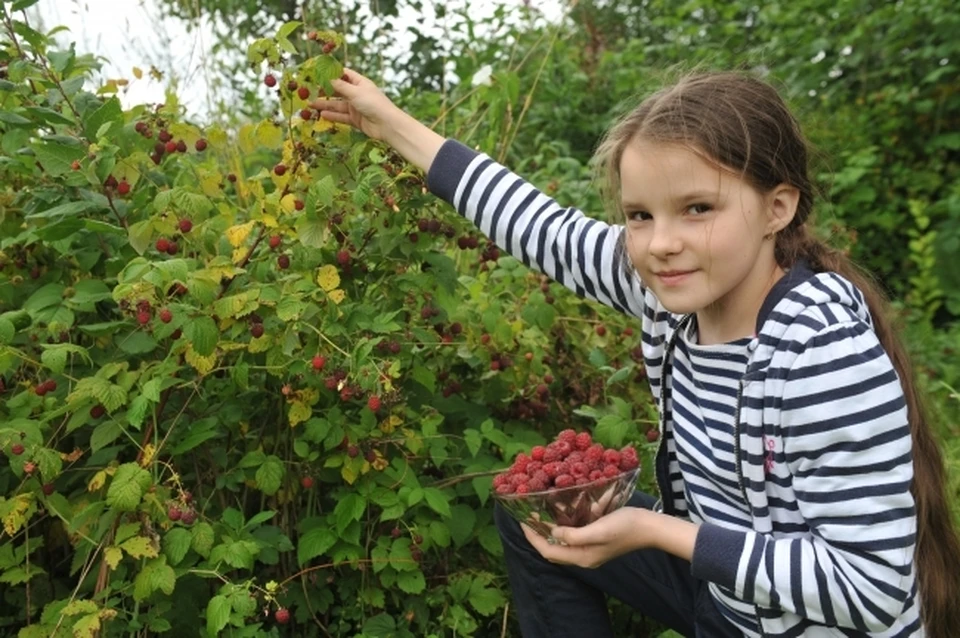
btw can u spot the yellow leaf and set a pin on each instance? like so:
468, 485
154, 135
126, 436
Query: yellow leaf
236, 235
148, 451
138, 547
210, 183
269, 134
239, 254
390, 424
112, 555
270, 221
137, 72
247, 138
328, 278
87, 627
299, 412
337, 295
349, 473
260, 344
16, 515
201, 364
289, 203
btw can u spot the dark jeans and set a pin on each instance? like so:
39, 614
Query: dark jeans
553, 601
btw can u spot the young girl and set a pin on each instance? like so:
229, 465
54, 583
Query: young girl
802, 492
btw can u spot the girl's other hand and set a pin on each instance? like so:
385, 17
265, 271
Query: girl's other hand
360, 103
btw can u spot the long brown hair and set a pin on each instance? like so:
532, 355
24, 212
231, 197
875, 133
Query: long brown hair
742, 123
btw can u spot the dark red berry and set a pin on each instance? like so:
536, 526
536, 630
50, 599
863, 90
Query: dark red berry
189, 517
164, 136
16, 449
306, 482
256, 330
181, 147
373, 403
303, 92
318, 363
48, 488
185, 225
298, 204
270, 81
283, 262
280, 169
174, 513
172, 248
306, 114
601, 330
143, 317
97, 411
170, 147
123, 187
353, 451
274, 242
200, 145
166, 316
343, 257
282, 616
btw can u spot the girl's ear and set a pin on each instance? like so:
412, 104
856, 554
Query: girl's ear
783, 201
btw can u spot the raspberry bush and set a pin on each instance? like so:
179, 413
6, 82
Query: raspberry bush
257, 379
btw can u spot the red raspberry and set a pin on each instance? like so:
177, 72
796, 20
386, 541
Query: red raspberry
520, 463
551, 455
569, 435
373, 403
318, 362
523, 488
500, 479
537, 452
629, 459
565, 448
166, 316
282, 616
594, 453
533, 467
579, 469
581, 480
596, 475
506, 488
575, 457
519, 479
541, 477
536, 485
611, 457
564, 480
552, 469
611, 471
583, 441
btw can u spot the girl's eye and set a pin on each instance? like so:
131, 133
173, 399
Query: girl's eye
700, 209
637, 216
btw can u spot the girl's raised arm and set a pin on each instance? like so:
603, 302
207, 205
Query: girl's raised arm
577, 251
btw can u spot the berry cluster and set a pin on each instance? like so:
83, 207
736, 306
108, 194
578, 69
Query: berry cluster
572, 459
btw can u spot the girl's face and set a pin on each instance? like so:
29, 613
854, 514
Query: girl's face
698, 237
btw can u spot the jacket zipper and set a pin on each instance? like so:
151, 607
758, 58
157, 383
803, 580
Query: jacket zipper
659, 505
743, 490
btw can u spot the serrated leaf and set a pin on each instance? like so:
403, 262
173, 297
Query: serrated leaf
612, 429
55, 158
138, 410
203, 335
87, 626
299, 412
202, 539
107, 394
437, 501
486, 600
138, 547
128, 486
112, 555
7, 331
236, 235
412, 582
201, 364
218, 614
49, 462
269, 476
314, 543
104, 434
348, 509
462, 521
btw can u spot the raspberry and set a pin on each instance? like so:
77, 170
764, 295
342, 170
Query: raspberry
579, 470
581, 480
500, 479
552, 469
533, 467
536, 485
523, 488
506, 488
551, 455
519, 479
596, 475
583, 441
565, 448
537, 452
611, 457
569, 435
520, 463
611, 471
541, 477
373, 403
594, 453
564, 480
629, 459
575, 457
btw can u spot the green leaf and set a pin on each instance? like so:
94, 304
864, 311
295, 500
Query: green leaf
49, 462
486, 600
128, 486
314, 543
425, 377
203, 538
104, 434
218, 614
141, 235
287, 28
203, 333
109, 395
380, 626
312, 233
109, 112
612, 429
461, 523
69, 209
437, 501
56, 159
411, 582
138, 410
7, 331
270, 475
349, 509
176, 544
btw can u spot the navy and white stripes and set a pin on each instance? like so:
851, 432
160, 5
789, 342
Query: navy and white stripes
815, 424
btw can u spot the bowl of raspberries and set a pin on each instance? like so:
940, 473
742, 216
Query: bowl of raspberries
571, 481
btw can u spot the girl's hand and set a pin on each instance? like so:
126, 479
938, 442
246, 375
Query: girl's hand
362, 105
591, 546
625, 530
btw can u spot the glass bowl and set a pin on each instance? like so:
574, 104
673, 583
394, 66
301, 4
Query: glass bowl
573, 506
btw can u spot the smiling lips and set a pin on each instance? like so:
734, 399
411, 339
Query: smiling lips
671, 277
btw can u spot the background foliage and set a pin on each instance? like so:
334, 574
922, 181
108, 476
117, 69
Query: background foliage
346, 362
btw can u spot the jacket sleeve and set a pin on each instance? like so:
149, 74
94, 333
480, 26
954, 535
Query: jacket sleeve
579, 252
847, 445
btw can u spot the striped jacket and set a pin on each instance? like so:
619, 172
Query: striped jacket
822, 442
